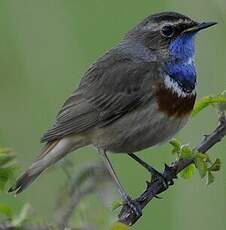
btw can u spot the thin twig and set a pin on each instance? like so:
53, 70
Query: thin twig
128, 217
32, 227
87, 182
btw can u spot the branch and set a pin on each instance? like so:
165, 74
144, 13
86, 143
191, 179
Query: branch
87, 182
128, 217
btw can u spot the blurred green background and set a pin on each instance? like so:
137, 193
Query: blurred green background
45, 47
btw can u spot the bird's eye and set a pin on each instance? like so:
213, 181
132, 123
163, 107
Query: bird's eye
167, 31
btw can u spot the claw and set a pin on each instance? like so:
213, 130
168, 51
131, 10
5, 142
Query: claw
158, 197
135, 207
148, 183
156, 175
169, 170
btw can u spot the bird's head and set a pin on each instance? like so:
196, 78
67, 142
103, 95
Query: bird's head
168, 34
168, 38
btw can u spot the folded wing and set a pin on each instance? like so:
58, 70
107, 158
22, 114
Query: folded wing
110, 89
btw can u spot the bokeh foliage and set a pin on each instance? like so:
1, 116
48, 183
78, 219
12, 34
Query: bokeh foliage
47, 45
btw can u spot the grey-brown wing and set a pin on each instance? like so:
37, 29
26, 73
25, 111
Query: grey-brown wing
107, 92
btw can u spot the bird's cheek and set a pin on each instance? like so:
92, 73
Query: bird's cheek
153, 41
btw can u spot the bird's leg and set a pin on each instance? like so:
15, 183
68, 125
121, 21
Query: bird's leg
126, 199
156, 175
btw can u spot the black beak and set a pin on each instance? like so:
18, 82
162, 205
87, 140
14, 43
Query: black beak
200, 26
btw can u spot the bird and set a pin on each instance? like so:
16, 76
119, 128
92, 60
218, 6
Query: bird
138, 95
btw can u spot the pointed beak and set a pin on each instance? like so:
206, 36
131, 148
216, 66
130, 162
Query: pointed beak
200, 26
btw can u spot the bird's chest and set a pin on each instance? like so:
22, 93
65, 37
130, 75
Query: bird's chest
173, 101
153, 123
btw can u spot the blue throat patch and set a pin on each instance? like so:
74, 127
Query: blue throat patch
181, 67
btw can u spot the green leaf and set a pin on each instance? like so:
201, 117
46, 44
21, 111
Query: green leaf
210, 178
5, 158
186, 152
6, 174
6, 211
188, 172
7, 167
215, 166
176, 146
119, 226
3, 180
175, 143
206, 101
202, 156
4, 150
201, 165
116, 204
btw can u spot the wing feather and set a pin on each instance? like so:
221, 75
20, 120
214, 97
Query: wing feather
110, 88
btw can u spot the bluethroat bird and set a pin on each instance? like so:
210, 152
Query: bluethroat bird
137, 95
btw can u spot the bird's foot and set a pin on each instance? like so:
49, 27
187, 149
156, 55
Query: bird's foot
170, 170
134, 206
158, 176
